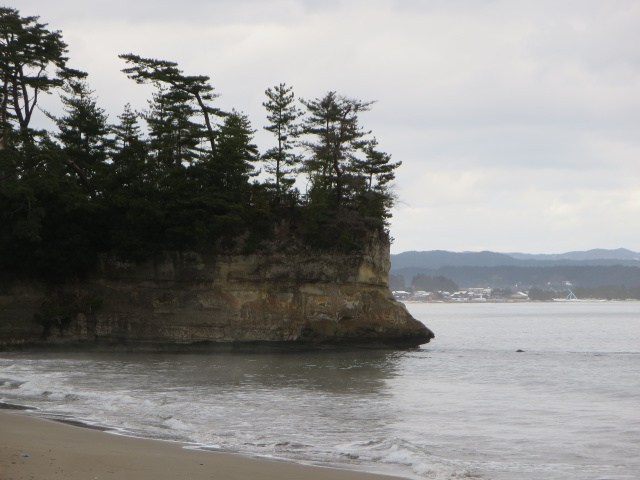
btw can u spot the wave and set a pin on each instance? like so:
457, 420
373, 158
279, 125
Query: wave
418, 458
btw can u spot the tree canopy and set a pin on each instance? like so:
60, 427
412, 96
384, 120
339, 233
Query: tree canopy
28, 53
182, 174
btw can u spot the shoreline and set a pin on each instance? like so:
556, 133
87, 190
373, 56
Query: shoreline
39, 448
475, 302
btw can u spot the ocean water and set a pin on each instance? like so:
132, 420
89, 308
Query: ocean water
466, 406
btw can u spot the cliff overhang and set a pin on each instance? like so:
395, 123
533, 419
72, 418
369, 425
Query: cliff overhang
189, 300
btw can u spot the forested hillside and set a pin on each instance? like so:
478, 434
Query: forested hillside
182, 174
577, 270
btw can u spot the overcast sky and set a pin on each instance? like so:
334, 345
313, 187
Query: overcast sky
517, 121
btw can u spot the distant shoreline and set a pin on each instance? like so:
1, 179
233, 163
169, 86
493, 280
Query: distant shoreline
475, 302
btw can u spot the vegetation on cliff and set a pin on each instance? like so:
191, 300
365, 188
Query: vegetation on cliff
183, 174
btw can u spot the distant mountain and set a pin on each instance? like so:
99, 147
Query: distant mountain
592, 268
441, 258
596, 254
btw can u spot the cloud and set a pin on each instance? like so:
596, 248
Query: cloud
516, 121
538, 210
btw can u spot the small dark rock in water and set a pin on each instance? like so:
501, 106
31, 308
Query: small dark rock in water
519, 351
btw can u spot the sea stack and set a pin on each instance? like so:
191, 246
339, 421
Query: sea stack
284, 295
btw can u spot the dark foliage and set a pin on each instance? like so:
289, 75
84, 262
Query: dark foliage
609, 293
433, 284
525, 278
179, 176
539, 295
396, 282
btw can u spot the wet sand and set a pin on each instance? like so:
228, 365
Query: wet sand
38, 449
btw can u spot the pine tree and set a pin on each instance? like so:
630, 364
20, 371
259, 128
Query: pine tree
28, 51
175, 137
376, 171
127, 132
282, 113
236, 152
377, 167
163, 72
334, 124
130, 152
83, 132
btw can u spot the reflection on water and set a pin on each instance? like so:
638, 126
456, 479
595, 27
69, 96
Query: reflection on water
332, 371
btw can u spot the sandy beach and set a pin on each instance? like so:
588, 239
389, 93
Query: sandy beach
39, 449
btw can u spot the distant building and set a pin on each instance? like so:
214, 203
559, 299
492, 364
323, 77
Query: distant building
473, 294
401, 294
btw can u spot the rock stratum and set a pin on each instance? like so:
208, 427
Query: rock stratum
189, 299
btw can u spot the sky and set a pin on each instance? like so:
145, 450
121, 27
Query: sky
517, 121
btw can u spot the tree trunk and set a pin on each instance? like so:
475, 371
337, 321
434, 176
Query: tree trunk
207, 121
83, 178
3, 112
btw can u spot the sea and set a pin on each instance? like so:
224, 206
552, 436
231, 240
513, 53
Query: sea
522, 391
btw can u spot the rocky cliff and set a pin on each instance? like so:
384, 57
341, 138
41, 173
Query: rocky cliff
293, 297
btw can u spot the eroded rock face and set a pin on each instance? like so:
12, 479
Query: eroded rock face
301, 297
